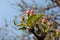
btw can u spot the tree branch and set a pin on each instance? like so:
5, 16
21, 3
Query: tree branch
43, 35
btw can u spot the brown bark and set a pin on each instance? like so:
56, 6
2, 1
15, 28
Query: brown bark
43, 35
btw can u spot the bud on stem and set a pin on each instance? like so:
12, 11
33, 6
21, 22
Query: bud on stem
22, 18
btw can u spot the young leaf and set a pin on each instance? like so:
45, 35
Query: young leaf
44, 27
31, 19
22, 24
23, 28
38, 18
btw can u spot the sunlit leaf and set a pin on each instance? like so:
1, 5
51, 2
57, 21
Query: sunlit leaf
44, 26
23, 28
31, 19
38, 18
20, 24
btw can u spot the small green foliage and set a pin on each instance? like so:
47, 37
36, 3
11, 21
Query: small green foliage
38, 18
20, 24
31, 19
23, 28
44, 26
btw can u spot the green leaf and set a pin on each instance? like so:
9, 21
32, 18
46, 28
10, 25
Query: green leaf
23, 28
31, 19
44, 27
39, 31
22, 24
38, 18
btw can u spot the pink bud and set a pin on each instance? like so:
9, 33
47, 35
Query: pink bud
44, 19
32, 11
28, 11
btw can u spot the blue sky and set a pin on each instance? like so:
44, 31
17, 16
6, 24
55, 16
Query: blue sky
8, 11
